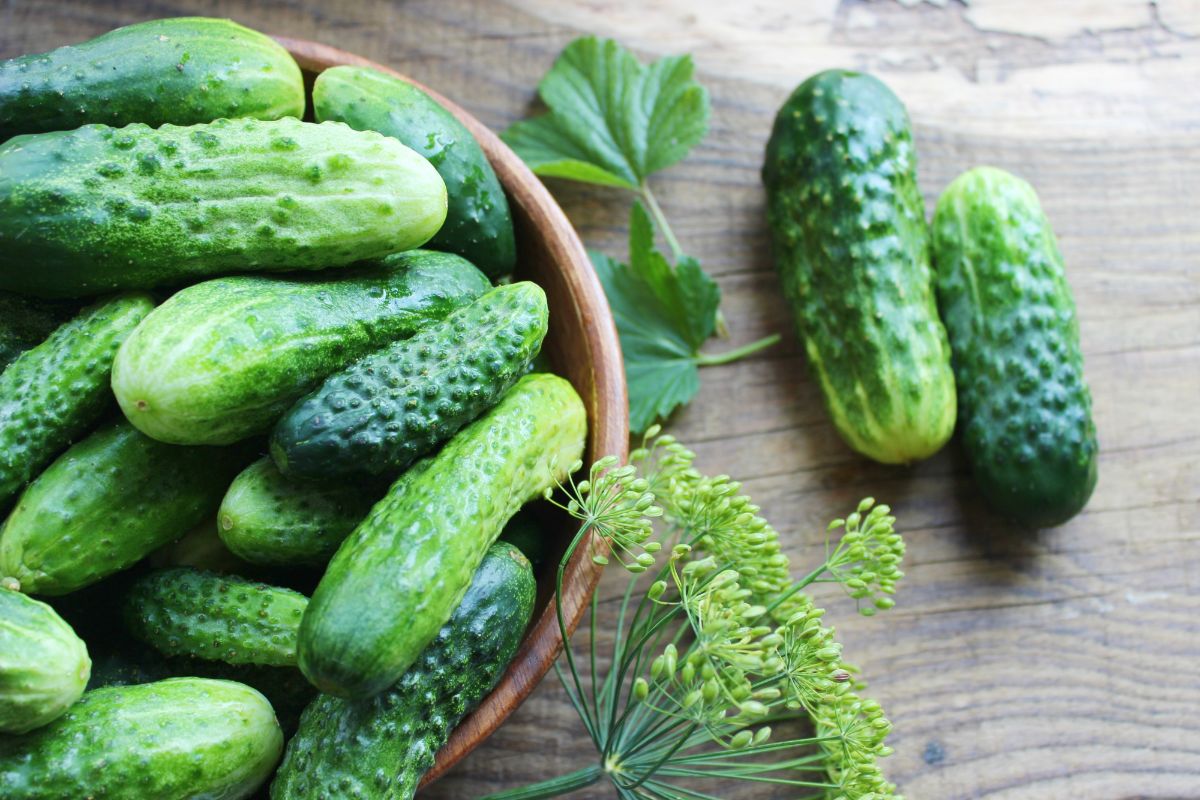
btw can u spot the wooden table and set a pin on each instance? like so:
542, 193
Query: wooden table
1059, 664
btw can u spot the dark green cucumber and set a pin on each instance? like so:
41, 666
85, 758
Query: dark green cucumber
182, 70
479, 225
43, 664
174, 739
99, 208
56, 391
190, 612
395, 405
106, 503
223, 359
26, 322
851, 247
1026, 413
395, 581
526, 532
266, 518
380, 747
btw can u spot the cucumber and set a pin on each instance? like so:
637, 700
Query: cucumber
851, 248
26, 322
526, 532
395, 405
395, 581
106, 503
102, 208
1026, 413
380, 747
266, 518
171, 740
43, 664
56, 391
479, 225
191, 612
224, 359
183, 70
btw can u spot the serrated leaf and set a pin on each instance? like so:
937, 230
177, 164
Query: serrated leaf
612, 120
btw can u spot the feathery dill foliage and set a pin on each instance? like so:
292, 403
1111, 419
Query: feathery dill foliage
716, 642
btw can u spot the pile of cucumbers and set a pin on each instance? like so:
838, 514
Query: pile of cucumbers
909, 327
264, 415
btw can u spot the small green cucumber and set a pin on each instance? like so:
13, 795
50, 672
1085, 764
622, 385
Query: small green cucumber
175, 739
479, 225
182, 70
57, 390
106, 503
99, 208
26, 322
397, 404
190, 612
224, 359
266, 518
44, 666
395, 581
1025, 408
851, 248
380, 747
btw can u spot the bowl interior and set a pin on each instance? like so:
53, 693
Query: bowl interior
582, 346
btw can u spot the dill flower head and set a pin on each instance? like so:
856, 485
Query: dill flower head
867, 559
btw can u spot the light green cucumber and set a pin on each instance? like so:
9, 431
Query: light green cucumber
181, 70
44, 666
224, 359
106, 503
177, 739
99, 208
395, 581
267, 518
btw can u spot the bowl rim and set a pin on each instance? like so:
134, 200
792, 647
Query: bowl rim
608, 432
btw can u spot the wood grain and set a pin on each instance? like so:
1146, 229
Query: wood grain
1052, 664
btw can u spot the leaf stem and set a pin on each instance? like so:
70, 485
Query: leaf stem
554, 787
714, 359
660, 220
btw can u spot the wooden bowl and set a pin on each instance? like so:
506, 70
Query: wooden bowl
583, 347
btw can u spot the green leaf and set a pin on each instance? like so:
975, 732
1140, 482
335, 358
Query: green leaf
663, 316
612, 120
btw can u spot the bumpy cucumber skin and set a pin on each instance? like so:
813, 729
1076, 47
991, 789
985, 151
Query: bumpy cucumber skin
102, 208
43, 664
380, 747
106, 503
56, 391
479, 224
1026, 413
851, 247
395, 405
224, 359
266, 518
183, 70
174, 739
26, 322
395, 581
191, 612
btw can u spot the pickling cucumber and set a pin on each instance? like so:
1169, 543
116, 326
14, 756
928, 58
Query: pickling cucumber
395, 405
182, 70
1025, 409
175, 739
479, 225
26, 322
102, 208
190, 612
106, 503
55, 391
851, 248
266, 518
44, 666
224, 359
380, 747
395, 581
